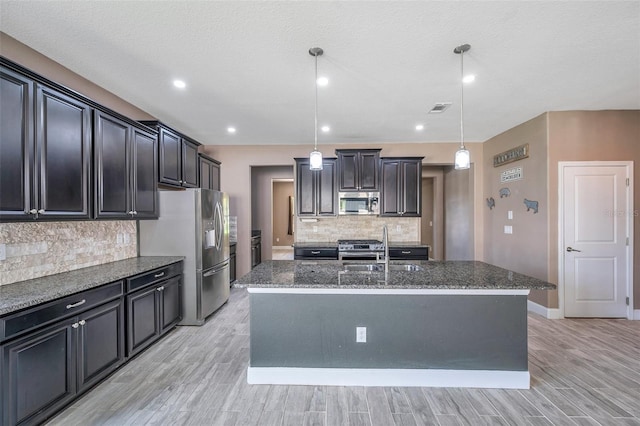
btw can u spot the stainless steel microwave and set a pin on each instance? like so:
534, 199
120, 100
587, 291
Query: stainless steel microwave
359, 203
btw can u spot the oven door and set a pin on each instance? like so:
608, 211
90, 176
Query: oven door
359, 255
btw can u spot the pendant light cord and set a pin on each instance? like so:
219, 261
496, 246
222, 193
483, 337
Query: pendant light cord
462, 99
315, 144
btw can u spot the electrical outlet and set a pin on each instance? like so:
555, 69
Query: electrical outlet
361, 334
508, 229
277, 240
399, 228
3, 251
127, 238
119, 239
315, 229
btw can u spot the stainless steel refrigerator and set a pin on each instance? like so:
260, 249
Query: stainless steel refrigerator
193, 223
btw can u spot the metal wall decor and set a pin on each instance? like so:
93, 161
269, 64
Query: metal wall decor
513, 154
531, 205
491, 203
504, 192
511, 175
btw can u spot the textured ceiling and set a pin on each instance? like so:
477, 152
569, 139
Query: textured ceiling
246, 63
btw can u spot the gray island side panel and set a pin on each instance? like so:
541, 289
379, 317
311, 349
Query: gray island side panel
458, 332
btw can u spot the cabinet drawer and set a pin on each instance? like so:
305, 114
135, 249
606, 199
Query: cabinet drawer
316, 253
421, 253
154, 276
15, 324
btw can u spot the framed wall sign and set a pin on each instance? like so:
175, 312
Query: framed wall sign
511, 175
513, 154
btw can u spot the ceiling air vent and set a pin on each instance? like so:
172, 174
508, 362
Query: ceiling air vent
439, 107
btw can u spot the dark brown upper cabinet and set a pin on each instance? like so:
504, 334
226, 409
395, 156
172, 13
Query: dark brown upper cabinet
178, 157
209, 173
125, 158
358, 170
316, 193
45, 151
401, 186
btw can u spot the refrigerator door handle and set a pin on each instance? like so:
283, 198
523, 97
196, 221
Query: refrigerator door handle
218, 226
215, 271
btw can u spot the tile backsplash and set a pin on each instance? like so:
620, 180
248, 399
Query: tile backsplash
330, 229
37, 249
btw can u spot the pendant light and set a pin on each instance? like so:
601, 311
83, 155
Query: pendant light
462, 160
315, 158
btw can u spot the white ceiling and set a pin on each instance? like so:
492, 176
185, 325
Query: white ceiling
247, 63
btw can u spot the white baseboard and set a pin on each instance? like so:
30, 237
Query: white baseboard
636, 314
549, 313
389, 377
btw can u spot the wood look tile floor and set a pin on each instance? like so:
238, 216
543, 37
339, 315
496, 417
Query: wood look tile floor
584, 372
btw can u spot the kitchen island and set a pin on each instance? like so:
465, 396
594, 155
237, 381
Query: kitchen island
422, 323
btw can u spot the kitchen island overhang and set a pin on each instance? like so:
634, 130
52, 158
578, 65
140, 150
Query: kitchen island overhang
419, 330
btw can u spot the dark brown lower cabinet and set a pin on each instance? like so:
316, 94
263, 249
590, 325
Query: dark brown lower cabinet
232, 262
45, 370
151, 312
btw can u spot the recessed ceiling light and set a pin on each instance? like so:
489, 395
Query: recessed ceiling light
468, 78
419, 127
322, 81
231, 130
325, 128
179, 84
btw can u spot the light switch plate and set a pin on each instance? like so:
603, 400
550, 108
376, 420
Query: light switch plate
510, 215
3, 251
361, 334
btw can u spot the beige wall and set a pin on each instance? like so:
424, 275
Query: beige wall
458, 214
236, 176
282, 197
436, 173
428, 207
526, 250
593, 136
22, 54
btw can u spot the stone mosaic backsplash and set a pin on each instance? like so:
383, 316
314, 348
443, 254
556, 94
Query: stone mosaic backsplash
37, 249
331, 229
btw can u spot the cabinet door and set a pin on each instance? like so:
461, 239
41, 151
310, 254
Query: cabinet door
171, 303
390, 200
144, 174
232, 268
100, 342
305, 189
215, 177
189, 164
170, 164
112, 163
63, 155
39, 374
142, 319
348, 171
326, 189
411, 178
16, 145
205, 174
369, 165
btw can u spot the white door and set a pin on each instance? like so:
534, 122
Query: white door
596, 223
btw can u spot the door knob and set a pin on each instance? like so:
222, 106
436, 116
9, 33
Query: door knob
570, 249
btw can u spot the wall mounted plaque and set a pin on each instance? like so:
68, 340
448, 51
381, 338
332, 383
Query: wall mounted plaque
513, 154
510, 175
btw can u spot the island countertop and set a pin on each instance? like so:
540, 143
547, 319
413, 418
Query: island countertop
329, 274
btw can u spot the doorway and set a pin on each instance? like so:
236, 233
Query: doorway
596, 239
282, 219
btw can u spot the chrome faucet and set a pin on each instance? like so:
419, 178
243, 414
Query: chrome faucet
385, 243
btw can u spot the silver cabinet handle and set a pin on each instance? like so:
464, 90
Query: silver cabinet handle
82, 322
161, 274
74, 325
406, 252
315, 252
74, 305
135, 212
41, 211
570, 249
160, 288
33, 211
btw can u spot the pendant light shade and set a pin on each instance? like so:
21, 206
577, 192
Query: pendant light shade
315, 158
463, 159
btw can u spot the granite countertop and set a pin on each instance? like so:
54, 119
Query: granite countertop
434, 275
316, 245
394, 244
24, 294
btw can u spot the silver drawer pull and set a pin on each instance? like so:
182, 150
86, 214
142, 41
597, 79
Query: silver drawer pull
315, 252
160, 288
41, 211
82, 322
74, 325
161, 274
33, 211
74, 305
406, 252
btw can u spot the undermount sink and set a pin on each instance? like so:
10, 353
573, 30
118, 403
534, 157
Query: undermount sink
379, 267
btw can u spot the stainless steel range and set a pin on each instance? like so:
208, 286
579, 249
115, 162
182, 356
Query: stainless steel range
360, 249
